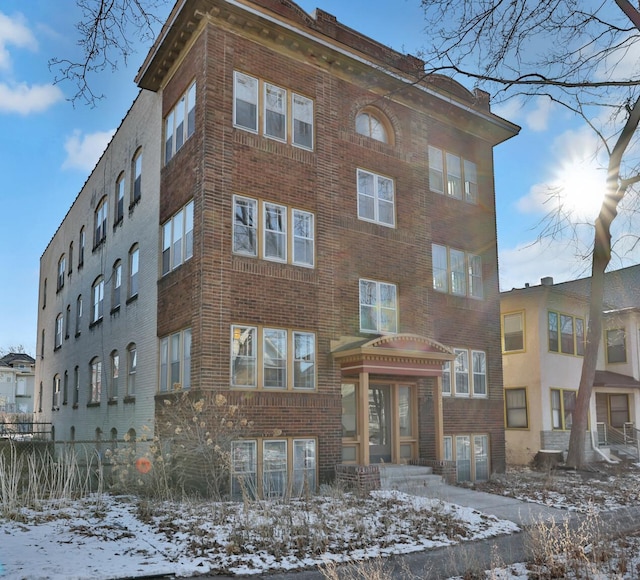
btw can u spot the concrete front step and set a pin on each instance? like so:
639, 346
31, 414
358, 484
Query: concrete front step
408, 478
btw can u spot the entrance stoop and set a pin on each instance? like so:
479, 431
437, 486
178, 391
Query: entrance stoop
413, 479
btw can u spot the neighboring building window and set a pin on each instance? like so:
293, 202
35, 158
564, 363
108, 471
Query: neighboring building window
378, 307
96, 380
70, 258
287, 233
56, 393
376, 200
136, 172
76, 386
282, 360
180, 123
81, 245
44, 294
471, 454
97, 292
513, 332
287, 465
132, 366
115, 375
100, 223
134, 265
466, 380
78, 315
119, 200
461, 175
116, 278
456, 272
42, 343
175, 361
566, 333
65, 388
287, 116
515, 403
177, 239
40, 394
371, 126
61, 271
563, 403
616, 346
67, 322
59, 328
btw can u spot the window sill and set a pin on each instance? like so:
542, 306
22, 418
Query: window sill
115, 310
112, 401
133, 204
57, 348
96, 322
74, 406
118, 223
77, 335
129, 399
98, 244
132, 299
93, 404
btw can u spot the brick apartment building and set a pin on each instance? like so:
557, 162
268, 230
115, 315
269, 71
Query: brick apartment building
315, 235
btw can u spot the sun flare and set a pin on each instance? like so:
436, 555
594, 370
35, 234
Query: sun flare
579, 187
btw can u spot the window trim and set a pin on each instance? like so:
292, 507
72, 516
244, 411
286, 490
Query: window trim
378, 307
168, 248
184, 341
100, 218
468, 193
257, 92
523, 331
186, 120
449, 376
622, 331
525, 408
382, 121
95, 378
97, 301
136, 178
467, 275
133, 283
577, 346
361, 195
257, 231
119, 197
561, 410
257, 358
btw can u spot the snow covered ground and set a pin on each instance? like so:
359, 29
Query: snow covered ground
104, 536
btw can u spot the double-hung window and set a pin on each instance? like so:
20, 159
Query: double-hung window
59, 328
180, 123
272, 358
98, 300
563, 403
136, 186
175, 361
100, 223
117, 285
456, 272
134, 265
452, 175
273, 231
616, 346
515, 401
119, 200
513, 332
275, 112
61, 271
177, 239
132, 367
565, 333
463, 379
376, 199
378, 307
95, 370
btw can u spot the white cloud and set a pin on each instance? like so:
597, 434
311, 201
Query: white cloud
538, 119
84, 151
25, 99
14, 31
510, 109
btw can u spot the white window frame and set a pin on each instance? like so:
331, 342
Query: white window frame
375, 198
115, 375
119, 213
96, 380
295, 110
100, 222
295, 232
177, 239
250, 358
97, 293
117, 285
475, 383
461, 175
59, 330
479, 373
463, 275
134, 268
175, 361
374, 301
136, 172
179, 124
132, 367
61, 272
462, 371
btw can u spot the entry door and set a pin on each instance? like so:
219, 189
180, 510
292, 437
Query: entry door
380, 424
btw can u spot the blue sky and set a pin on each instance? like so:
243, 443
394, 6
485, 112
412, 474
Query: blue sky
48, 147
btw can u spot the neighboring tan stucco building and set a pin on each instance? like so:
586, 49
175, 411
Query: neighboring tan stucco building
318, 223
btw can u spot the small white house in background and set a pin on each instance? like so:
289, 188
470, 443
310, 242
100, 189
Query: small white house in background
17, 383
544, 330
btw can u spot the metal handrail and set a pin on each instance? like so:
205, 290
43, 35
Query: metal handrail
629, 436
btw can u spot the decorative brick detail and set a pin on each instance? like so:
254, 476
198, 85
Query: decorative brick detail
359, 478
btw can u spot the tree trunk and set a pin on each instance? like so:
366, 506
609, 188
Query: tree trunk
616, 189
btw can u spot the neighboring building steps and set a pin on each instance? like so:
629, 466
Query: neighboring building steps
409, 478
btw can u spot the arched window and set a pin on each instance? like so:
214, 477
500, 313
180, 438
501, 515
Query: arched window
113, 443
72, 433
62, 264
372, 125
76, 387
79, 315
97, 293
134, 265
136, 172
56, 393
130, 438
81, 248
59, 325
115, 374
100, 222
132, 366
95, 368
65, 388
70, 258
116, 280
119, 200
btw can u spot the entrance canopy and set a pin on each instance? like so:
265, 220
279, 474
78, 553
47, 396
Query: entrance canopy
395, 354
